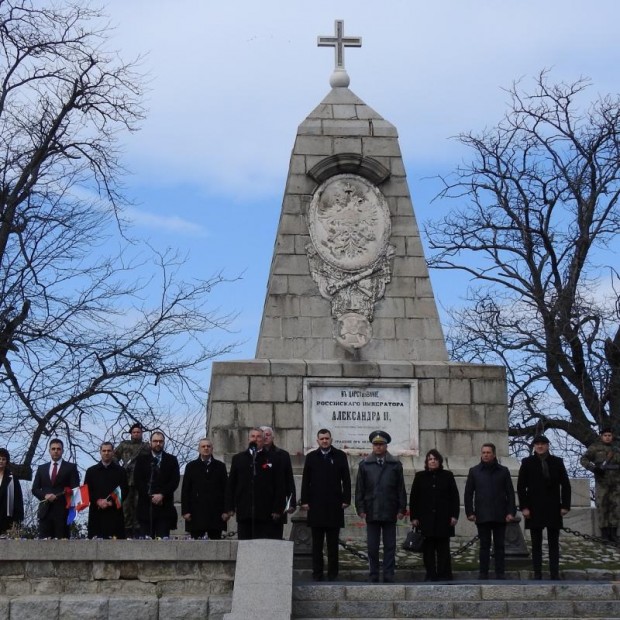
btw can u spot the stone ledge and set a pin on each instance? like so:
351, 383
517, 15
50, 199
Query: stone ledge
119, 550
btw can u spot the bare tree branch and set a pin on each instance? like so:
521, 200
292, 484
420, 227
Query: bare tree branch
88, 340
540, 207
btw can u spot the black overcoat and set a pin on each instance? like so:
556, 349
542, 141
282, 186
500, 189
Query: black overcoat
7, 520
150, 480
489, 493
544, 498
434, 500
203, 494
101, 481
284, 462
262, 482
325, 486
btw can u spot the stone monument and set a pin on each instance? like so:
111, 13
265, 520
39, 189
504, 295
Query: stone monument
350, 337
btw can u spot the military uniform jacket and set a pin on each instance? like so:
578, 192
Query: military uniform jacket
128, 452
380, 490
203, 494
325, 486
434, 501
151, 479
544, 498
604, 460
101, 481
261, 482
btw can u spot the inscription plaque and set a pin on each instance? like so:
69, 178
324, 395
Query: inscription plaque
352, 408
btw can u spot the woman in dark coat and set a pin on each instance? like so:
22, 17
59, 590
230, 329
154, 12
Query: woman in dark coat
434, 507
11, 502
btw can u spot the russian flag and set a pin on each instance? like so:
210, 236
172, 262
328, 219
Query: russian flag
77, 500
117, 497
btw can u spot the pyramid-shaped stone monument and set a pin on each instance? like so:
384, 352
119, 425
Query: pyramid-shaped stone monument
350, 337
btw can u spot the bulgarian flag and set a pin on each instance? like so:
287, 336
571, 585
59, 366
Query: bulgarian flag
77, 500
117, 497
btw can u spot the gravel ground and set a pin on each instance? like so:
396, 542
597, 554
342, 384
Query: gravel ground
575, 553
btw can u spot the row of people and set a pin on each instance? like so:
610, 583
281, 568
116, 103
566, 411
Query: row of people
544, 495
146, 477
261, 491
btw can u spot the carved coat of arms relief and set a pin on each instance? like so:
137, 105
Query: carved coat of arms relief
349, 253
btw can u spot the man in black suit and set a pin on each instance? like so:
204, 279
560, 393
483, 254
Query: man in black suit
105, 514
156, 478
325, 493
490, 503
544, 494
255, 490
203, 493
290, 491
49, 486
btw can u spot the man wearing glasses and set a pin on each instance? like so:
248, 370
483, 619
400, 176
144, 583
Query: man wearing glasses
156, 477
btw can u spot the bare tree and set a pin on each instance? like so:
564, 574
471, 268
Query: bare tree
538, 219
88, 339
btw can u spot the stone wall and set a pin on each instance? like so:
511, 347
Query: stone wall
101, 579
460, 405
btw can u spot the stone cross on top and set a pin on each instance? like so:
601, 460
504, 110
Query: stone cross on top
339, 77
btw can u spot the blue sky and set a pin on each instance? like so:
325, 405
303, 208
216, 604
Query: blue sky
230, 82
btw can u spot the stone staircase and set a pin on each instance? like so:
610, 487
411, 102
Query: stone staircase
459, 600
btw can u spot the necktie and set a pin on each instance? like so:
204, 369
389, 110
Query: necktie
380, 461
54, 473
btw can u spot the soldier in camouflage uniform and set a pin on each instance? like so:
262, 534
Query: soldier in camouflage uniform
603, 459
127, 452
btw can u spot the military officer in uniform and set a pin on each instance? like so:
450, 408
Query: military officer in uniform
127, 453
380, 499
602, 458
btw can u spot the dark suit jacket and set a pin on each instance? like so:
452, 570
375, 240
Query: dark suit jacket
489, 493
325, 486
203, 494
544, 498
434, 501
67, 477
101, 481
150, 480
262, 484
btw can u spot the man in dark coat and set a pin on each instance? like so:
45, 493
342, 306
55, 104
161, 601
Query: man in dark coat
325, 493
49, 486
434, 508
203, 494
380, 499
156, 477
289, 480
544, 498
490, 503
255, 490
104, 481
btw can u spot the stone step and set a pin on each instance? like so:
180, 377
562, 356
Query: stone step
511, 600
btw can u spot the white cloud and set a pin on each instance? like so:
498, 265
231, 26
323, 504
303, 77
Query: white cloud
232, 81
166, 223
